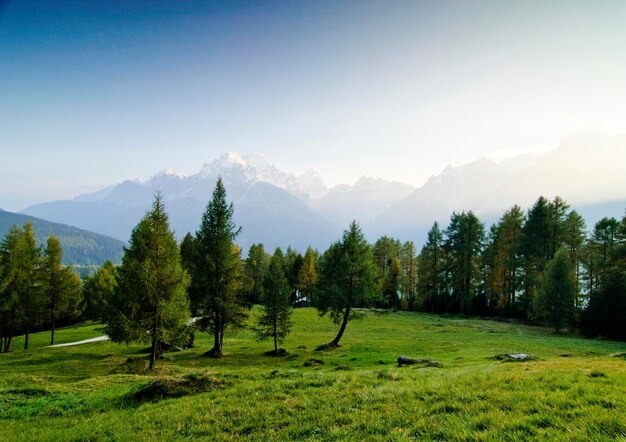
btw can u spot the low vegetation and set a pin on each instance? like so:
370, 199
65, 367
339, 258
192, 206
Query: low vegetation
572, 389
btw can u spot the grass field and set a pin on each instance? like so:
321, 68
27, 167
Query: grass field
574, 390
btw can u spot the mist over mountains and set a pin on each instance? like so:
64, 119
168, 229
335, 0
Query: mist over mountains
278, 208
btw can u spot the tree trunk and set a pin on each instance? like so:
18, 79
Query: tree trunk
335, 342
216, 351
153, 350
275, 340
26, 335
52, 333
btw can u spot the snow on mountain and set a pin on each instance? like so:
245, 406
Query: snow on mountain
311, 183
279, 208
271, 205
251, 168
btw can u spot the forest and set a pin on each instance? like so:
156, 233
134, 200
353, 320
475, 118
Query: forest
539, 266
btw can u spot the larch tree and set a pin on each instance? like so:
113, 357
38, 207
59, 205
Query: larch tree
346, 279
151, 303
307, 275
98, 291
10, 283
61, 285
274, 322
431, 284
408, 259
554, 302
535, 250
464, 242
504, 278
30, 284
217, 270
293, 262
255, 267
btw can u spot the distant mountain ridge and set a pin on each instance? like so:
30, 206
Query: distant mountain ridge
277, 208
270, 205
80, 247
588, 171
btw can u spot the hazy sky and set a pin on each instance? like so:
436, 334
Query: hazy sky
95, 92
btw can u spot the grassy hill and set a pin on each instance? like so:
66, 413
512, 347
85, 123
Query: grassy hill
80, 247
573, 390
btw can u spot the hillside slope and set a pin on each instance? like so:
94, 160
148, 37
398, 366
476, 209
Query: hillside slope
80, 247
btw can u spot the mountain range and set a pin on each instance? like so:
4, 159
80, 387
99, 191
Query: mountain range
278, 208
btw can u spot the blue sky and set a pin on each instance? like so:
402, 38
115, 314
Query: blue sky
92, 93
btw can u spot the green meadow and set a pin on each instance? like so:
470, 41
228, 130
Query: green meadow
572, 389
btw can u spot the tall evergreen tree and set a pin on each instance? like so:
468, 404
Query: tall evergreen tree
293, 263
98, 291
61, 285
151, 301
408, 259
535, 249
574, 234
431, 284
557, 216
275, 319
504, 279
307, 275
554, 302
346, 279
217, 270
11, 281
464, 242
30, 291
256, 267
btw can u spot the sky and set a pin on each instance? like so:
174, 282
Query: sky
93, 93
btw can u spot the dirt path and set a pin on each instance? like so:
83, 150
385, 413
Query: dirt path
84, 341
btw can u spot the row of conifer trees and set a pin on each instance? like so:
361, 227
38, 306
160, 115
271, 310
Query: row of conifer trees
538, 265
35, 288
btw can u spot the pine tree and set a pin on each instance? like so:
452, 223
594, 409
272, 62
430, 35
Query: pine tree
293, 263
307, 275
30, 290
408, 260
574, 233
431, 269
150, 302
554, 302
535, 250
10, 283
98, 290
217, 270
275, 319
503, 279
61, 285
346, 279
256, 266
463, 244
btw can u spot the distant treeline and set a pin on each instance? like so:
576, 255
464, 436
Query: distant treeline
538, 265
35, 288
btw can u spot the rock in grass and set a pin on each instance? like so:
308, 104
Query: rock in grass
313, 362
341, 367
405, 360
513, 357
